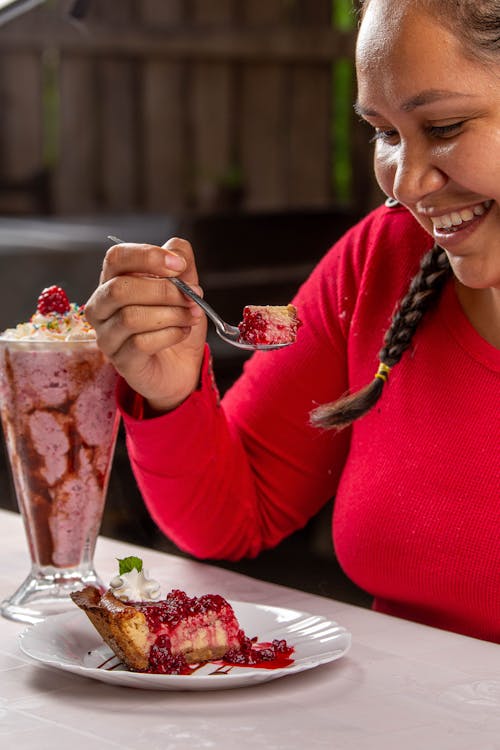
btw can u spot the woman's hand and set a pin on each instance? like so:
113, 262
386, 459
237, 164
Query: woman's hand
152, 333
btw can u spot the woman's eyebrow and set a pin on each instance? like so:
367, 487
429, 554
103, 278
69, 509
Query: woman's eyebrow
363, 111
429, 96
424, 97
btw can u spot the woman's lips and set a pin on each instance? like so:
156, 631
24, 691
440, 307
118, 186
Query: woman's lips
457, 224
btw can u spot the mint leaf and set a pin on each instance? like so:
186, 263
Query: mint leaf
129, 563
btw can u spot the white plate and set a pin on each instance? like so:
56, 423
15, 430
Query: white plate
69, 642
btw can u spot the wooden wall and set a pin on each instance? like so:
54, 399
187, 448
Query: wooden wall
175, 105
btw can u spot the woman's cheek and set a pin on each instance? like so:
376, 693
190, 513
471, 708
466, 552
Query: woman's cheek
385, 168
471, 166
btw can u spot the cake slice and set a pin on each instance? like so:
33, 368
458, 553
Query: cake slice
164, 636
269, 324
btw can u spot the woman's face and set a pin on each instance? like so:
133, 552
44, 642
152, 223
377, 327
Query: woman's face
436, 115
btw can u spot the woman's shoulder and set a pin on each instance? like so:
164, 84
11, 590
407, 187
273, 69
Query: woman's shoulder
390, 227
389, 240
372, 264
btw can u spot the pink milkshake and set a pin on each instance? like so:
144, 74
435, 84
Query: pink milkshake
60, 422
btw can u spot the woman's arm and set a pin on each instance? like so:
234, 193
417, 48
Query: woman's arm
227, 480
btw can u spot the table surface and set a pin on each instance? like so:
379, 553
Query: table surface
401, 685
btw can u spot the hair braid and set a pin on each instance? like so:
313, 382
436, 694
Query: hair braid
424, 289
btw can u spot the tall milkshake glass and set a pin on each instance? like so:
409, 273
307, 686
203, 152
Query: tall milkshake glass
60, 424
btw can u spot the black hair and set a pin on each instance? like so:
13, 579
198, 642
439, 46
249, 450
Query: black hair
424, 289
476, 23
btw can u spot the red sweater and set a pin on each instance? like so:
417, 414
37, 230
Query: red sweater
416, 481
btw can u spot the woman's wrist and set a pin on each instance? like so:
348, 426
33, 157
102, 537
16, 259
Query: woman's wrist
153, 407
156, 407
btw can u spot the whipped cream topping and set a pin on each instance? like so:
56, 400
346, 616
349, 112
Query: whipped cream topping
68, 326
135, 586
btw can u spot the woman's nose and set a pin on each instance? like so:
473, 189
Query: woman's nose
416, 176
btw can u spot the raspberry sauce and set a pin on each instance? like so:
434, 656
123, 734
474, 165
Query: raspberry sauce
165, 616
274, 655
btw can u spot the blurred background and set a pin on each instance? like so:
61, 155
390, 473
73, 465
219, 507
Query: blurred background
228, 122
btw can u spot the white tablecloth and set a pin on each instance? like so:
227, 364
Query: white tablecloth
402, 686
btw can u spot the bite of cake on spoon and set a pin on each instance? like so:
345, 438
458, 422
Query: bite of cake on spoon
269, 324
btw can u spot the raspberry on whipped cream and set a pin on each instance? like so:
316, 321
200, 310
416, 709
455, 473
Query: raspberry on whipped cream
71, 325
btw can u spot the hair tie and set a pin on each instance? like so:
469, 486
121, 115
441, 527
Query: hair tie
383, 372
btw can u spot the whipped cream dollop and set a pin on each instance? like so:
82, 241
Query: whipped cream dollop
69, 326
135, 586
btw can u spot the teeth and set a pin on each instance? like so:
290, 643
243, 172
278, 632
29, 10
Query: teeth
467, 214
457, 217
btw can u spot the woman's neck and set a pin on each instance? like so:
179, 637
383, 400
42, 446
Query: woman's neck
482, 308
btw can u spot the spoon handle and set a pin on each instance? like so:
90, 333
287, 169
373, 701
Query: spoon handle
220, 324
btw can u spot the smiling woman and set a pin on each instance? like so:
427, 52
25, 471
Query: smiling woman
433, 148
411, 459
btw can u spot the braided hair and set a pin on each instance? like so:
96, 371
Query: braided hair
424, 290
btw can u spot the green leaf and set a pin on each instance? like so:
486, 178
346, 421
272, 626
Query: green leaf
129, 563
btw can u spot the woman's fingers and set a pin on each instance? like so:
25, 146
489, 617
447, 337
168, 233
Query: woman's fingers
136, 351
141, 323
136, 274
122, 292
148, 328
174, 258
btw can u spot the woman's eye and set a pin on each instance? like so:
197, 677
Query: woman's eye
442, 131
387, 136
391, 136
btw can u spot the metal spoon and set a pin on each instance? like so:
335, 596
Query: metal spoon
228, 333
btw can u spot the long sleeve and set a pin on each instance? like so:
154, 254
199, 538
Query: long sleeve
215, 492
229, 479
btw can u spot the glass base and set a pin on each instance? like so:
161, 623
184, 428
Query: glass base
49, 594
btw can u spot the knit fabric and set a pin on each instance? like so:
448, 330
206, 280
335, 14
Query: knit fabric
416, 481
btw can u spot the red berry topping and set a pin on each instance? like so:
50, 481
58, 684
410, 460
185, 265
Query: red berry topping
53, 299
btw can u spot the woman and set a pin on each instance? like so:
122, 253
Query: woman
413, 457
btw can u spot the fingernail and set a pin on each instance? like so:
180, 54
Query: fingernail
175, 262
